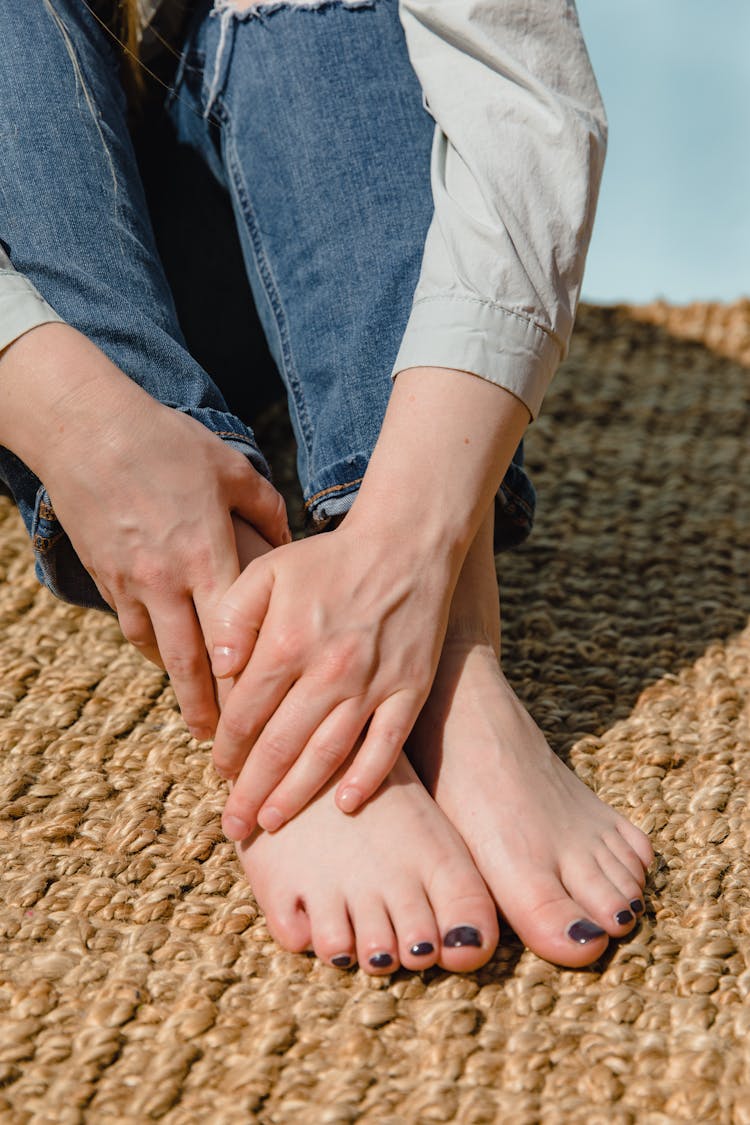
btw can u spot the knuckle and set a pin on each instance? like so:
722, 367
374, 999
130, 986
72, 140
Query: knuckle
237, 726
277, 752
286, 645
392, 737
184, 665
329, 755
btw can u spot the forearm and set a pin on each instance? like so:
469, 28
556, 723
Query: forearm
53, 384
445, 445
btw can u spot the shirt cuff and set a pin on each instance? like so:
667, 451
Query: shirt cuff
484, 339
21, 307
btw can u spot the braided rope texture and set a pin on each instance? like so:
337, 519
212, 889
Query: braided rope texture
137, 979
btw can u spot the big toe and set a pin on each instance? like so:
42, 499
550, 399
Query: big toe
466, 917
552, 924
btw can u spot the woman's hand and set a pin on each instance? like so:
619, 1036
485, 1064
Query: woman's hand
345, 629
145, 494
333, 632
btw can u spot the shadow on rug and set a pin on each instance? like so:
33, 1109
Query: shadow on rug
137, 978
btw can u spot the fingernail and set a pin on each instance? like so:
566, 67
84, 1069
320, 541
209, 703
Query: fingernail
381, 960
422, 949
270, 819
349, 799
222, 660
341, 960
462, 935
234, 828
637, 906
583, 930
624, 918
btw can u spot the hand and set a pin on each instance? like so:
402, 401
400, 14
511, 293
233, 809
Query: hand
333, 632
145, 494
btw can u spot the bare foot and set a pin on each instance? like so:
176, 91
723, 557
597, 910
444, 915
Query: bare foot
565, 869
392, 884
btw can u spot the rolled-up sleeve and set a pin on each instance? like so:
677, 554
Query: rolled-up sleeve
517, 157
22, 306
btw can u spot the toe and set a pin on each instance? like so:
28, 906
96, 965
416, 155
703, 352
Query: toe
288, 924
466, 918
416, 928
377, 948
603, 901
619, 847
637, 840
332, 934
620, 876
551, 923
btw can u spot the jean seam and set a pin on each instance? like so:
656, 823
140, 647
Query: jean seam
332, 488
263, 265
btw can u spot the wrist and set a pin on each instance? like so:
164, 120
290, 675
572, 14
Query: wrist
445, 446
53, 382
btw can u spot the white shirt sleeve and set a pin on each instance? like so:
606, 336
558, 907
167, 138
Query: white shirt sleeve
517, 157
21, 305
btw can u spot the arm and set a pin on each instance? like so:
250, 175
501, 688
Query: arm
145, 494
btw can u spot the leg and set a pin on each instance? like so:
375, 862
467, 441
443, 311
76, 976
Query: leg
564, 868
314, 122
73, 213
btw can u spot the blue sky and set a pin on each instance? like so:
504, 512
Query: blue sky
674, 209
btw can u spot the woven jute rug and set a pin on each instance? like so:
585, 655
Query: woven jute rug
137, 978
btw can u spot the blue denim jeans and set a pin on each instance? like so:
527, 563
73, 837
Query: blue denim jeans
313, 122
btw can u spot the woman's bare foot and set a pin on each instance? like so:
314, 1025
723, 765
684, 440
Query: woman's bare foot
566, 870
392, 884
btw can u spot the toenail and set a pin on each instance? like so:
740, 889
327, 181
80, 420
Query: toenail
341, 960
583, 930
637, 906
463, 935
422, 949
624, 918
381, 960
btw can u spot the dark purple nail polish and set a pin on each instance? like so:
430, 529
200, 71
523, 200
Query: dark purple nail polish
637, 906
341, 961
381, 960
462, 935
422, 949
624, 918
583, 931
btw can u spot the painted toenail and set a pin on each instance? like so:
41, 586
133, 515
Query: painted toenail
624, 918
463, 935
422, 949
637, 906
341, 960
381, 960
583, 930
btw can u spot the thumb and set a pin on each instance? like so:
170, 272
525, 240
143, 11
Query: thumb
238, 618
256, 500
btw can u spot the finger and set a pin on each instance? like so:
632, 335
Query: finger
181, 644
136, 627
257, 501
224, 571
276, 750
326, 750
389, 729
255, 696
236, 621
